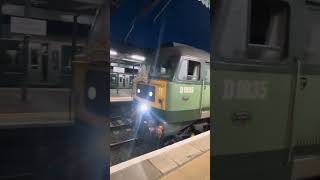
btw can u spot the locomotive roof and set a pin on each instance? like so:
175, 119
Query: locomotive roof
187, 51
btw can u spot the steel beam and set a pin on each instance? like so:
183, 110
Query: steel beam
98, 44
40, 13
94, 2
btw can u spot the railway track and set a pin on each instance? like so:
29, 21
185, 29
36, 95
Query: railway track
122, 131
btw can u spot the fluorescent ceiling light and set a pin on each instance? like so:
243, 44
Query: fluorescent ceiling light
113, 52
138, 57
114, 64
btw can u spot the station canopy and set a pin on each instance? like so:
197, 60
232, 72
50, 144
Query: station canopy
71, 6
150, 23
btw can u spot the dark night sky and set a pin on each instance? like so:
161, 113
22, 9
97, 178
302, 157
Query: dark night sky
187, 22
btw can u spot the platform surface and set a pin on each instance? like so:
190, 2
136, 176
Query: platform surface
120, 95
44, 106
120, 99
38, 100
197, 169
188, 159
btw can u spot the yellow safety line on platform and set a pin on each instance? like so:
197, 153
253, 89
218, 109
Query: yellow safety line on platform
33, 113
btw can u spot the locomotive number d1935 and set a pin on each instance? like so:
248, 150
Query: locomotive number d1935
245, 89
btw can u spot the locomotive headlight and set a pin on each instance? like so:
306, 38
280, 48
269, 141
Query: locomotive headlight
143, 108
138, 91
150, 94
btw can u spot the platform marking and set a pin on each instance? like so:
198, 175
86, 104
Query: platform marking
152, 154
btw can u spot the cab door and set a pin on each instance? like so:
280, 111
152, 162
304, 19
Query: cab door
205, 94
252, 91
306, 141
35, 63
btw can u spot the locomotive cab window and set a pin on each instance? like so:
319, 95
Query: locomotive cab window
165, 67
268, 30
189, 70
312, 27
207, 78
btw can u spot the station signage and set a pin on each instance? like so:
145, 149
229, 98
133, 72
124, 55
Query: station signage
28, 26
118, 69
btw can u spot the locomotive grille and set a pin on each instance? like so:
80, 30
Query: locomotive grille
146, 92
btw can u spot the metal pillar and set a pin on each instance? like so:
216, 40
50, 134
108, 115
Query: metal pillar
98, 45
26, 39
132, 80
74, 38
91, 90
1, 19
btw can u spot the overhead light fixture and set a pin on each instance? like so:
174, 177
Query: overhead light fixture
113, 52
138, 57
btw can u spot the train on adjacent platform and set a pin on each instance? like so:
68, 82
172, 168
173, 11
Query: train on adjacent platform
121, 80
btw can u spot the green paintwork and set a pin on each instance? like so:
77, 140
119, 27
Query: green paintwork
178, 116
179, 110
183, 108
306, 115
285, 125
268, 165
266, 131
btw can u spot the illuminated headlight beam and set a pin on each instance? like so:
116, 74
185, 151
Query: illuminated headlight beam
143, 108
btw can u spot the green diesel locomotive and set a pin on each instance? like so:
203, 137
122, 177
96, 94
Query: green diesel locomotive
266, 73
173, 100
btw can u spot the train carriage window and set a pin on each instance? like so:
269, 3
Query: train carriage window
189, 70
165, 67
12, 55
268, 33
34, 58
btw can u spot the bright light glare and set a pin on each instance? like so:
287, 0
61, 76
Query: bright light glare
150, 94
143, 108
138, 90
138, 57
113, 52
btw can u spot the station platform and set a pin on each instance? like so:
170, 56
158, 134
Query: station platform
186, 160
120, 95
44, 106
114, 99
120, 92
48, 106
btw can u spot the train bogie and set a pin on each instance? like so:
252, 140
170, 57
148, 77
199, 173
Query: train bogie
45, 63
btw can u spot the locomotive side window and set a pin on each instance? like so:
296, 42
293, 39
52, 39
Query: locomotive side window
189, 70
268, 31
183, 70
312, 51
207, 78
193, 71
